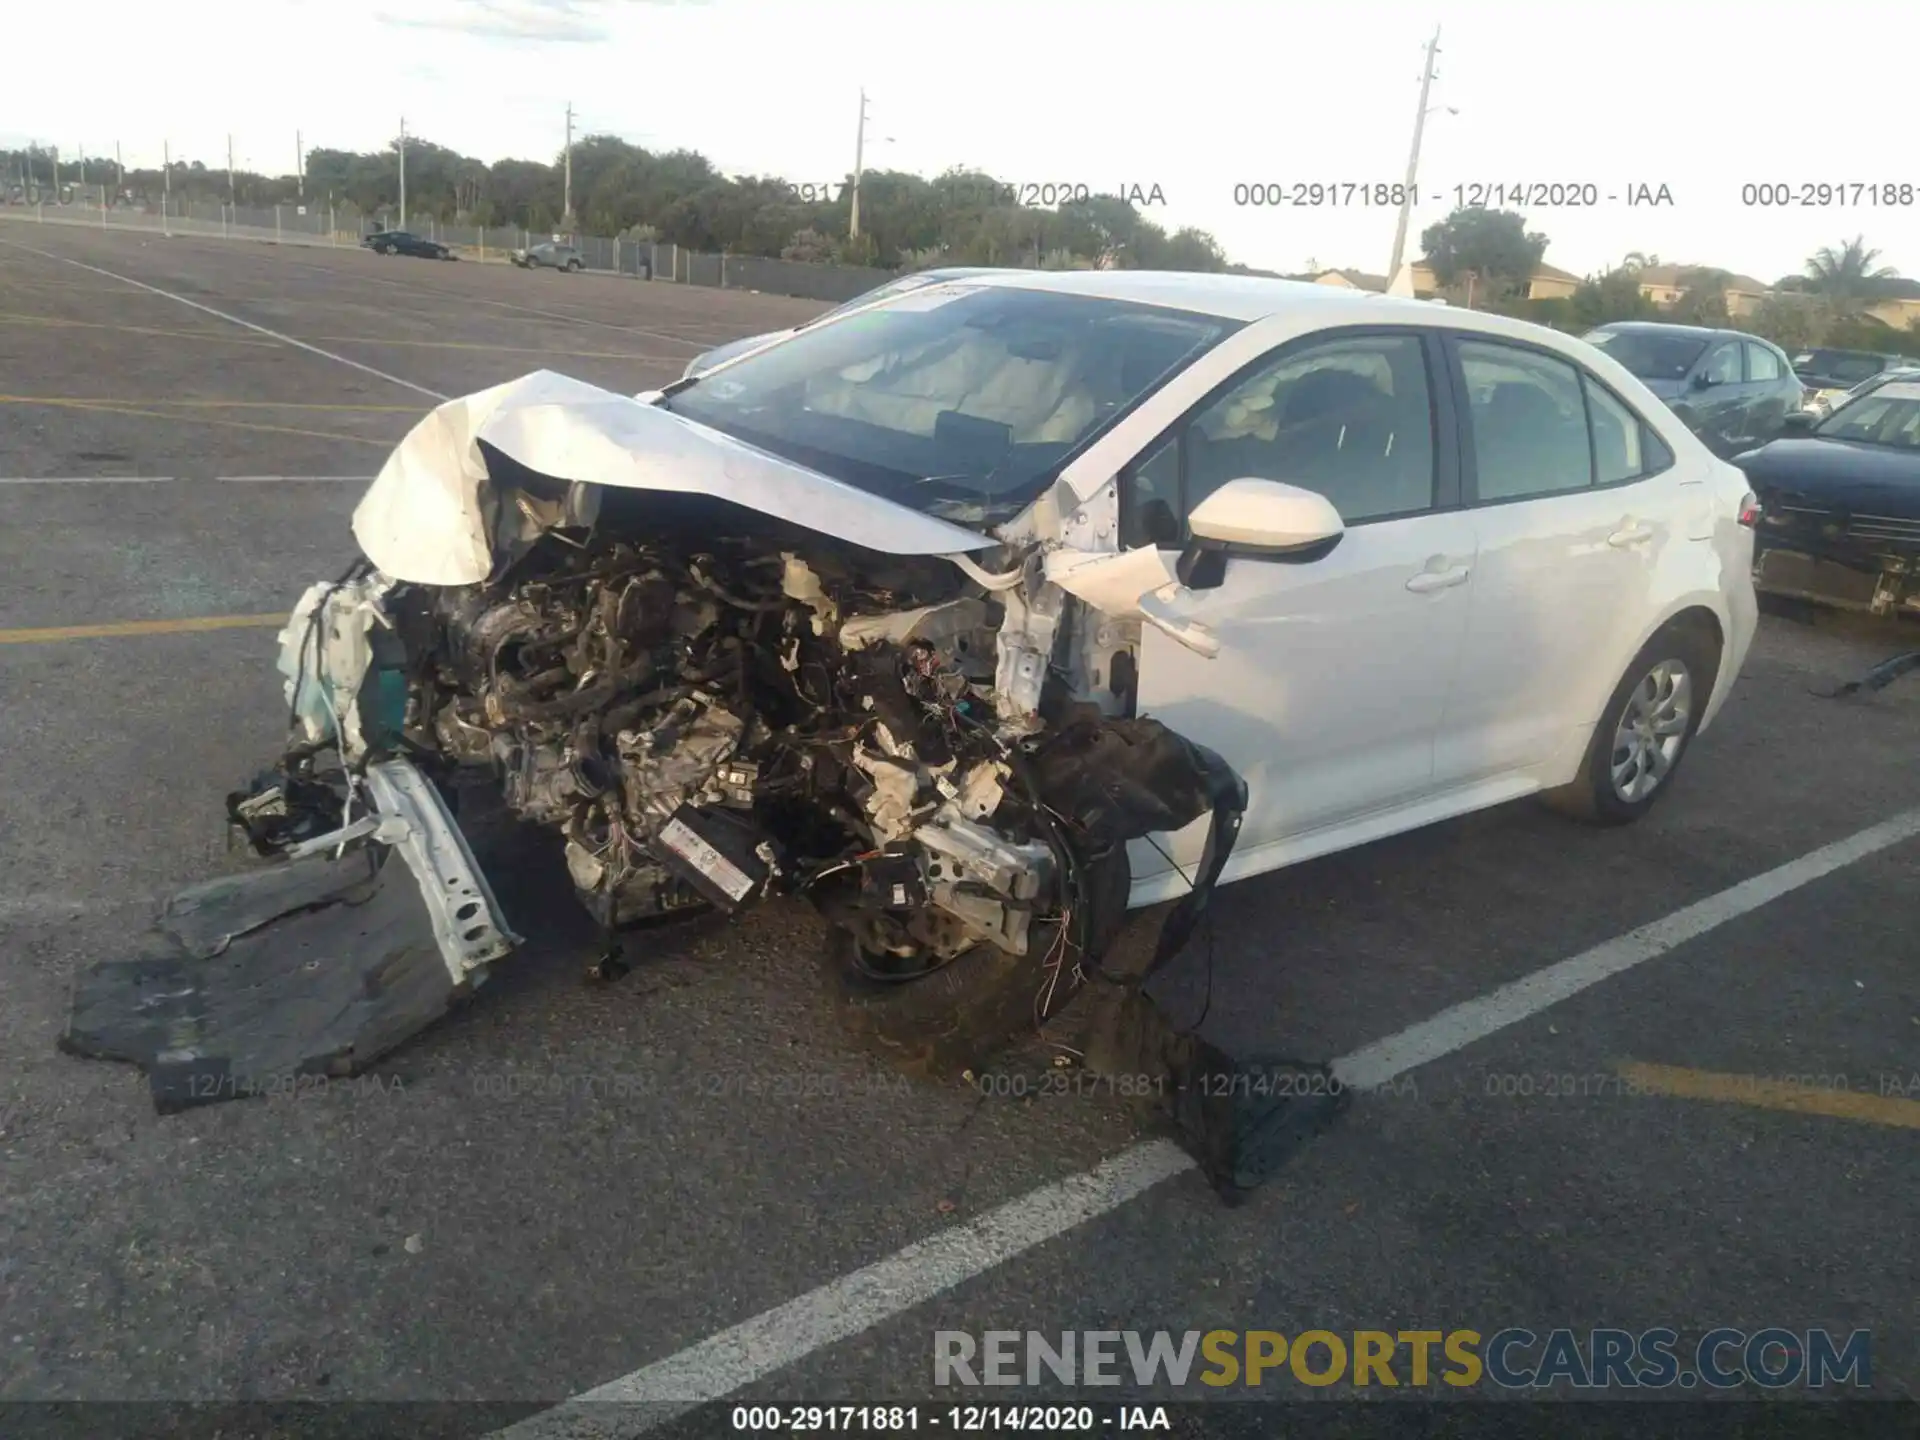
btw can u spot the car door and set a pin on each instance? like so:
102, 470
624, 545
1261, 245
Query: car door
1772, 392
1716, 405
1332, 672
1572, 500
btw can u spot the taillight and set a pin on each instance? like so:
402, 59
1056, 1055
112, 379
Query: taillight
1750, 510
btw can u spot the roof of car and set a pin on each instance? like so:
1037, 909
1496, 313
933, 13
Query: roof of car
1704, 331
1231, 297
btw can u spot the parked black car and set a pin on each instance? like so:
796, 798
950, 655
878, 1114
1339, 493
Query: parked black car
402, 242
1840, 500
1732, 389
1826, 375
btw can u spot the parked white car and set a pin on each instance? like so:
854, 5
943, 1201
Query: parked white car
976, 616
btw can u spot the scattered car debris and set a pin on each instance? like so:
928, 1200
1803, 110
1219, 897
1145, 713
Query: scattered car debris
1878, 678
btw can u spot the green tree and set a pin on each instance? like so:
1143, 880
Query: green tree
1492, 247
1612, 295
1845, 274
1703, 297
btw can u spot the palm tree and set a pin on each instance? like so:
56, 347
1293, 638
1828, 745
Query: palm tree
1639, 260
1842, 275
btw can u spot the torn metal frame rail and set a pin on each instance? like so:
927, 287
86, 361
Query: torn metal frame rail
411, 817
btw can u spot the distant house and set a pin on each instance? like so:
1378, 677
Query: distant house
1547, 282
1665, 284
1894, 302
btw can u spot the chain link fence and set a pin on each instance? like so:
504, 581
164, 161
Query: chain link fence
318, 222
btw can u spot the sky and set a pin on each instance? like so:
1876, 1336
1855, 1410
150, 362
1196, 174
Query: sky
1704, 99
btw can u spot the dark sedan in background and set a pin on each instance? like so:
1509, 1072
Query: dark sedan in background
403, 242
1732, 389
1840, 501
1827, 375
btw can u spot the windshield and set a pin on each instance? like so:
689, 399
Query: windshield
1843, 367
918, 281
1650, 354
962, 400
1889, 415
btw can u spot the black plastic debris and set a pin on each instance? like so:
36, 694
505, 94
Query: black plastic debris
246, 984
1878, 678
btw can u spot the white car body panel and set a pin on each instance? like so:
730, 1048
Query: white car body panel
1425, 667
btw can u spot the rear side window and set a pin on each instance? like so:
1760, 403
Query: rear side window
1625, 447
1528, 419
1723, 365
1762, 363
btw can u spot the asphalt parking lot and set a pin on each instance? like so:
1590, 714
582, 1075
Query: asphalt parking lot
497, 1221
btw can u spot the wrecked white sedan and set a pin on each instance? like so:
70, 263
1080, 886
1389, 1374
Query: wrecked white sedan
976, 617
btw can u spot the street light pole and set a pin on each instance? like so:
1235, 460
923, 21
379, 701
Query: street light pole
231, 202
566, 197
1413, 160
859, 168
403, 172
300, 166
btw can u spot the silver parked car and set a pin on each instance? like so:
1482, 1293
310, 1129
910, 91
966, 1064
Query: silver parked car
551, 255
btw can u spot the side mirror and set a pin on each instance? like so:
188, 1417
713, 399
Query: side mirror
1702, 381
1260, 519
1799, 420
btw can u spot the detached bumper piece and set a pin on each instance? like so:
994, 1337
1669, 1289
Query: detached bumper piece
314, 966
1240, 1118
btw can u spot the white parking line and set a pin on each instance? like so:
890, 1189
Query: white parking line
295, 479
233, 320
724, 1363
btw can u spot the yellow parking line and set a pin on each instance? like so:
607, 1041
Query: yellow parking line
102, 408
1784, 1095
45, 634
9, 317
203, 404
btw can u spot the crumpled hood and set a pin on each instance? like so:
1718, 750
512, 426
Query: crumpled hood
425, 518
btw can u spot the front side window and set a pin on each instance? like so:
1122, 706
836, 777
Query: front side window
959, 400
1350, 418
1528, 419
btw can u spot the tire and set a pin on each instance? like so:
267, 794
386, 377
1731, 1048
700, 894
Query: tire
574, 267
1672, 676
951, 1019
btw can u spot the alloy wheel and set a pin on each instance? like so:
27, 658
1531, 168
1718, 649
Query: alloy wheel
1653, 729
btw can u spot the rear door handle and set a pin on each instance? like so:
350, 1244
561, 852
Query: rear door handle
1429, 580
1630, 534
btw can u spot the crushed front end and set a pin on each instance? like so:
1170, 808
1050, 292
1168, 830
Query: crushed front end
703, 704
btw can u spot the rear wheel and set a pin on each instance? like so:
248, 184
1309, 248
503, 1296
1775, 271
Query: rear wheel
575, 267
1645, 730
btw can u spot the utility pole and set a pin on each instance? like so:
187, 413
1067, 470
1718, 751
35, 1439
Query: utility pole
566, 203
403, 172
119, 170
300, 166
166, 184
1413, 160
232, 195
859, 168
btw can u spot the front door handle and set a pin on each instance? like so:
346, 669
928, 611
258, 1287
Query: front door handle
1430, 580
1630, 533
